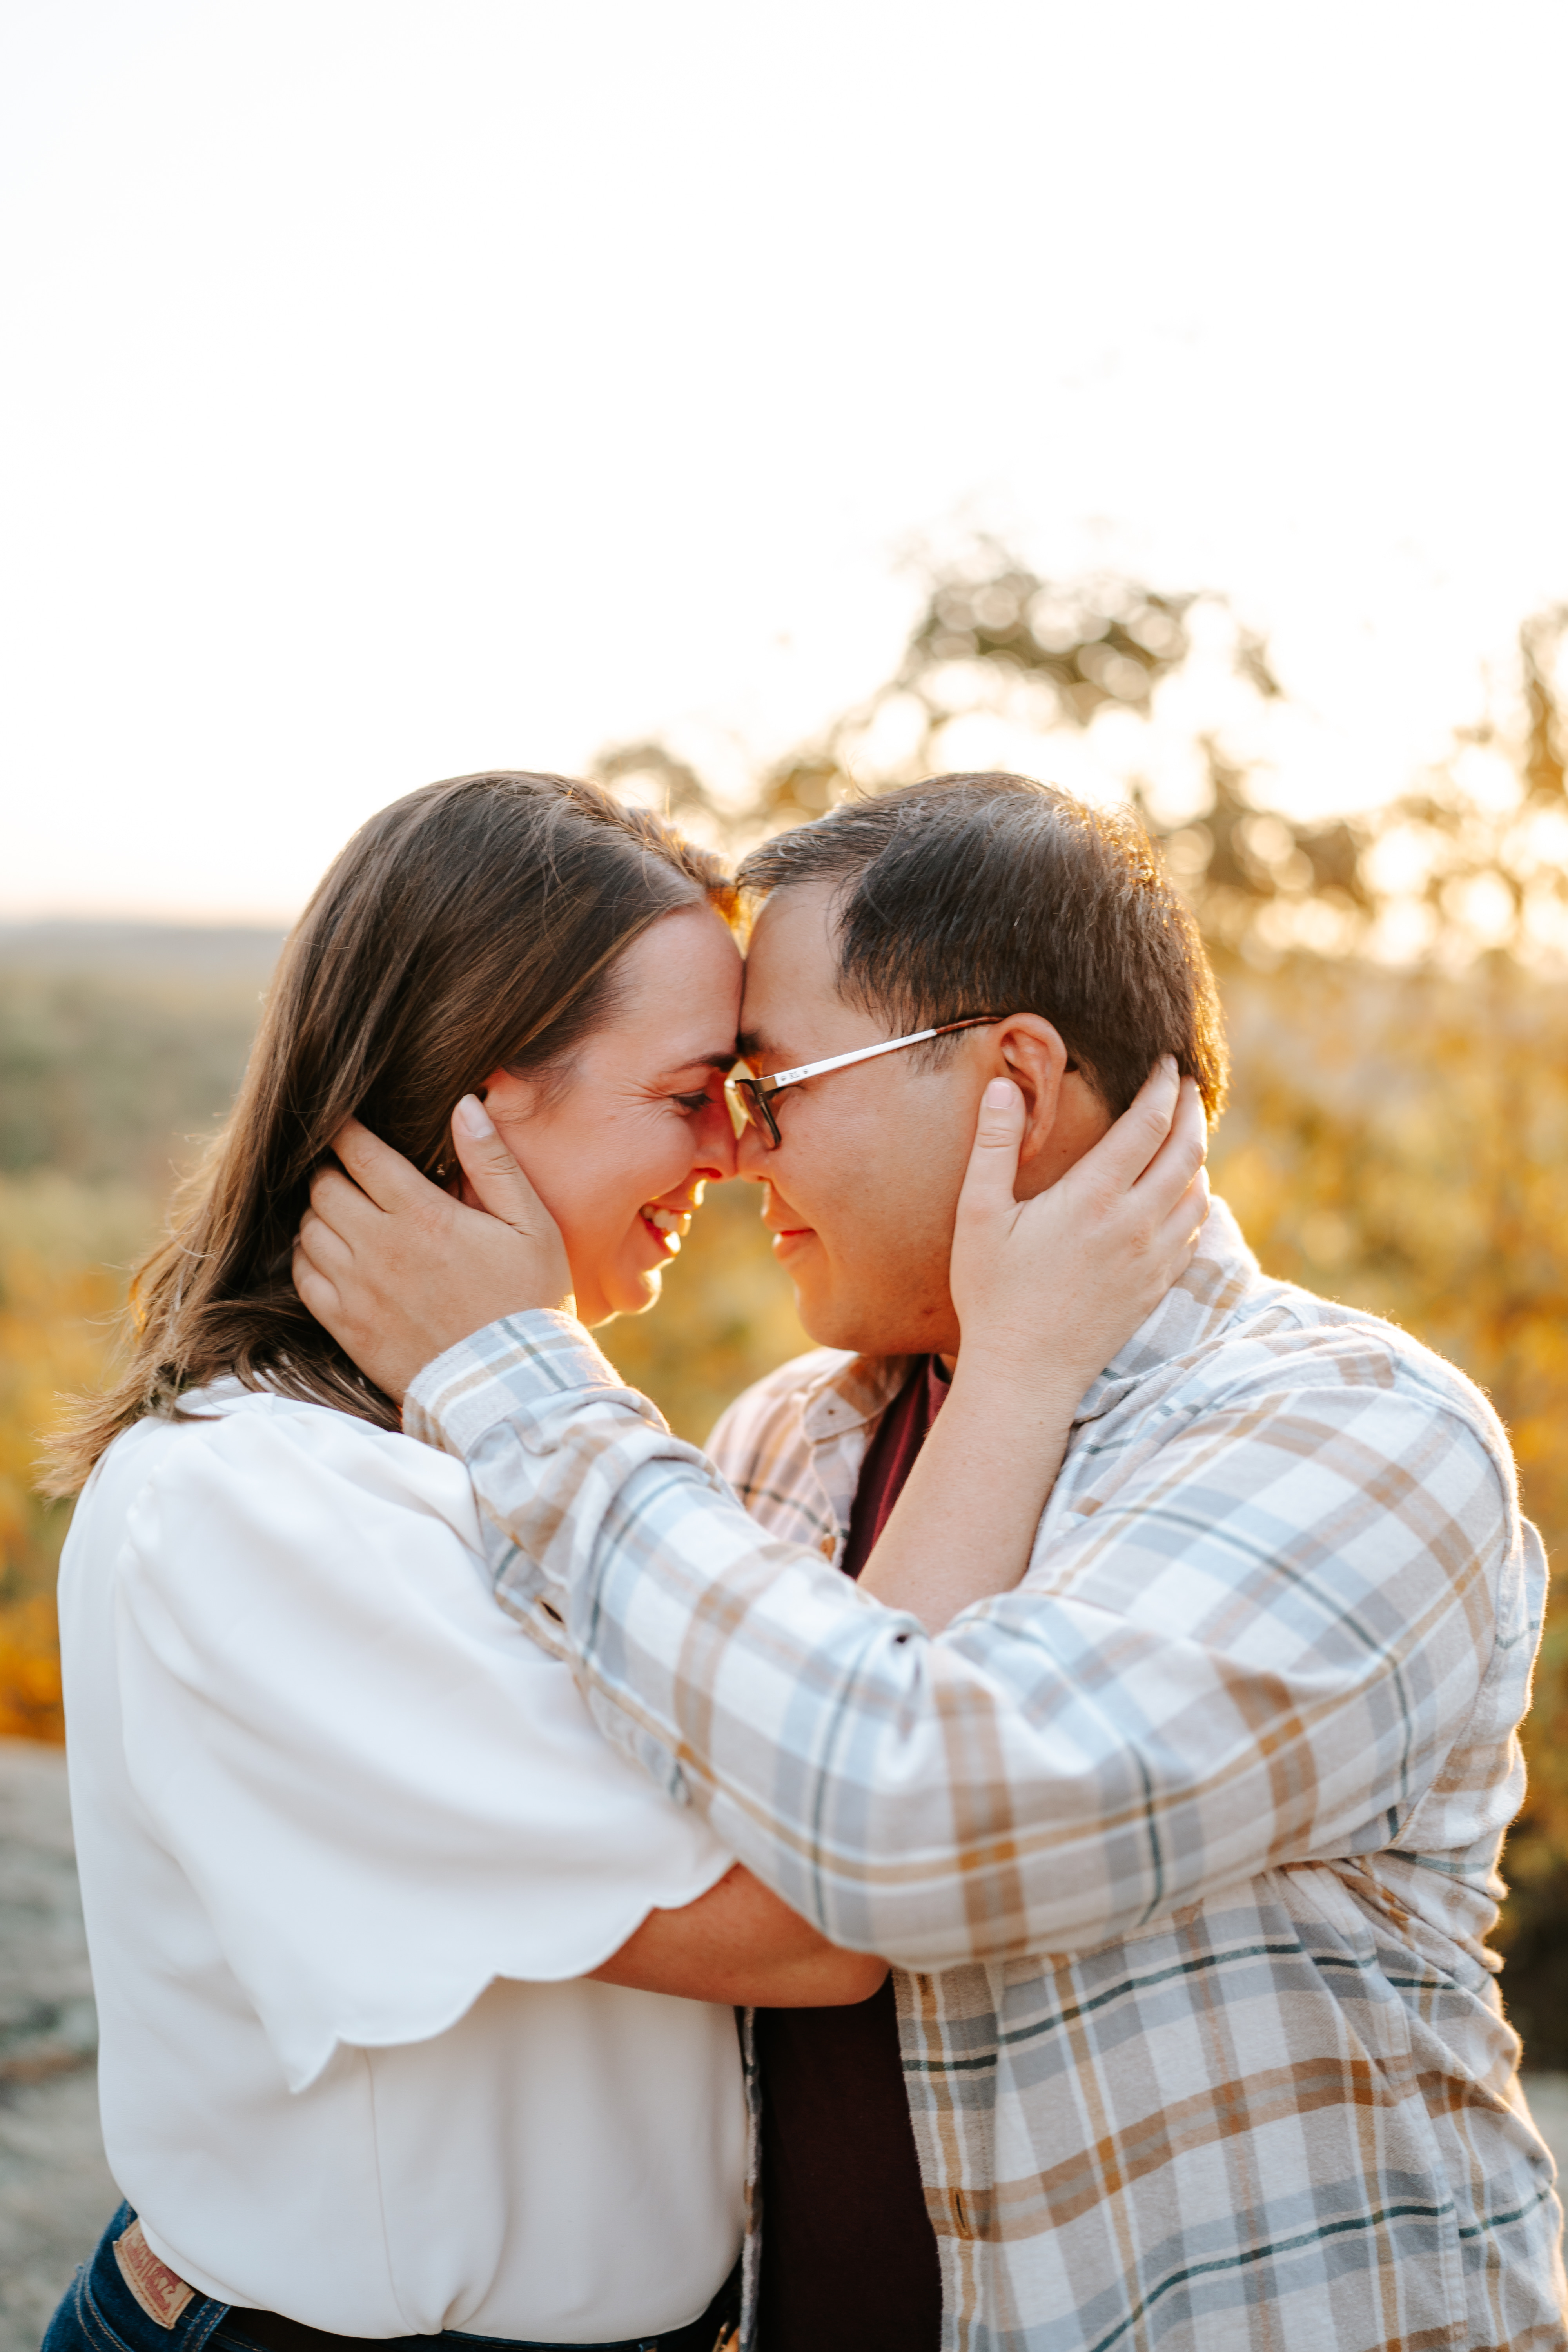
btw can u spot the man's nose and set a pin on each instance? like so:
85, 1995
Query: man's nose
751, 1156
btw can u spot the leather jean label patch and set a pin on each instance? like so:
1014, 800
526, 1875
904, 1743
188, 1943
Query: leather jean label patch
160, 2292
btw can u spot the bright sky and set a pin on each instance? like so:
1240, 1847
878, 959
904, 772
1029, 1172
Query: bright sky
395, 390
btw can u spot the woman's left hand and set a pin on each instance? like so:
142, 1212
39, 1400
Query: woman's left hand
1046, 1290
1053, 1285
398, 1271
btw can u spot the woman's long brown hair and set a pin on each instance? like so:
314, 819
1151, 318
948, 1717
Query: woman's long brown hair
475, 924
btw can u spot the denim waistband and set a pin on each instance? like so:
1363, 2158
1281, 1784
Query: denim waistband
99, 2312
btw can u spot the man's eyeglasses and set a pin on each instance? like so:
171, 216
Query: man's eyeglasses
751, 1099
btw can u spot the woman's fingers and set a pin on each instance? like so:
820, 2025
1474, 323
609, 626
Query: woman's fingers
1131, 1145
1176, 1237
1184, 1146
1167, 1206
1063, 1279
1175, 1166
991, 1175
1178, 1183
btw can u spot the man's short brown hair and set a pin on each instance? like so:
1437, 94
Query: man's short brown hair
995, 894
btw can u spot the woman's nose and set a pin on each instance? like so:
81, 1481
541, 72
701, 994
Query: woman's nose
716, 1146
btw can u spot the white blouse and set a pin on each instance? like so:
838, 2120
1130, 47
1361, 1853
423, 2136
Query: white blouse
347, 1843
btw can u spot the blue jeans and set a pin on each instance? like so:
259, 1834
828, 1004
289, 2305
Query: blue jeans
98, 2312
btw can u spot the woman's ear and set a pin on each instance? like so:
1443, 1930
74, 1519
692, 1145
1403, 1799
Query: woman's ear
506, 1094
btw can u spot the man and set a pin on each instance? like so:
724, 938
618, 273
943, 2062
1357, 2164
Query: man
1186, 1851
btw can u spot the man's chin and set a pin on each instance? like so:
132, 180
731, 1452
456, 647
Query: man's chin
818, 1318
831, 1322
858, 1324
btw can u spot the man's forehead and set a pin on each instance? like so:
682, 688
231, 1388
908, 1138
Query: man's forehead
794, 945
790, 1007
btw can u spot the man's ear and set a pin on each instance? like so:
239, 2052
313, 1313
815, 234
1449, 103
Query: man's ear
1028, 1050
1063, 1112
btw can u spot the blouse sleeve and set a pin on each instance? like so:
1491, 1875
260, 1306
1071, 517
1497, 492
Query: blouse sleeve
383, 1792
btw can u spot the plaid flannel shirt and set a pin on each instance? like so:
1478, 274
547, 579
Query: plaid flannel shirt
1185, 1850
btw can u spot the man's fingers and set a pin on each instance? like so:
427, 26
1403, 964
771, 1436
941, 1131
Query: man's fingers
991, 1175
498, 1182
317, 1295
322, 1245
338, 1202
381, 1174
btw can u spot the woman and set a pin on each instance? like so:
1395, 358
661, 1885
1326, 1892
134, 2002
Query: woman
384, 1938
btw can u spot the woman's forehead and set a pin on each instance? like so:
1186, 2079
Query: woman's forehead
680, 988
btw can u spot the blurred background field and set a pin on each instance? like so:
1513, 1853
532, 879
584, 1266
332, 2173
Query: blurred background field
1397, 1134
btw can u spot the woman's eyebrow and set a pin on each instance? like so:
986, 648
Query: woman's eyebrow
723, 1060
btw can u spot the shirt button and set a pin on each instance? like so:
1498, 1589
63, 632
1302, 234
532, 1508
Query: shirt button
829, 1546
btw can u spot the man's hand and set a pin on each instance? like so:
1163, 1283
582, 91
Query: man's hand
398, 1272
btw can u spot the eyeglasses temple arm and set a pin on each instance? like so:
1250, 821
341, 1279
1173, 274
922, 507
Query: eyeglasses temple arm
778, 1078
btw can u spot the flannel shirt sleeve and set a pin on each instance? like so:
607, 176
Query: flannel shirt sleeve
1260, 1649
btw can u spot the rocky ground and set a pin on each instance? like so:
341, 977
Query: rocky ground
55, 2189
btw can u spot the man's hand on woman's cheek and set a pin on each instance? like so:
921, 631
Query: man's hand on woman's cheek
398, 1271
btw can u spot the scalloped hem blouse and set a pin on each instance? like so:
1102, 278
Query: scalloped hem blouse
349, 1841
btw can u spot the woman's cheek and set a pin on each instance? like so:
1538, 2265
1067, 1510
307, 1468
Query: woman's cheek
612, 1248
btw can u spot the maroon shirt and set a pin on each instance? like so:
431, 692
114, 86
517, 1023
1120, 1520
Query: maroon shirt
849, 2259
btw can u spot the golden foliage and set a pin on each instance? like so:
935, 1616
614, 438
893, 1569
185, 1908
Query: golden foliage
58, 1297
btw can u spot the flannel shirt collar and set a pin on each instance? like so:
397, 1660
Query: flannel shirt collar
854, 1390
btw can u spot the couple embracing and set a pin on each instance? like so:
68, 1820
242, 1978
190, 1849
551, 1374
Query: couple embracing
1072, 1716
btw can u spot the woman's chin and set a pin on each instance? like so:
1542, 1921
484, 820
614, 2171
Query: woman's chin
626, 1293
645, 1292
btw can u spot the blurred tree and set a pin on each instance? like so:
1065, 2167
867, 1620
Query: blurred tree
991, 633
1484, 839
1475, 857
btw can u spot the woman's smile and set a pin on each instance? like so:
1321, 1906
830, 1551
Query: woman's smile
620, 1145
670, 1221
